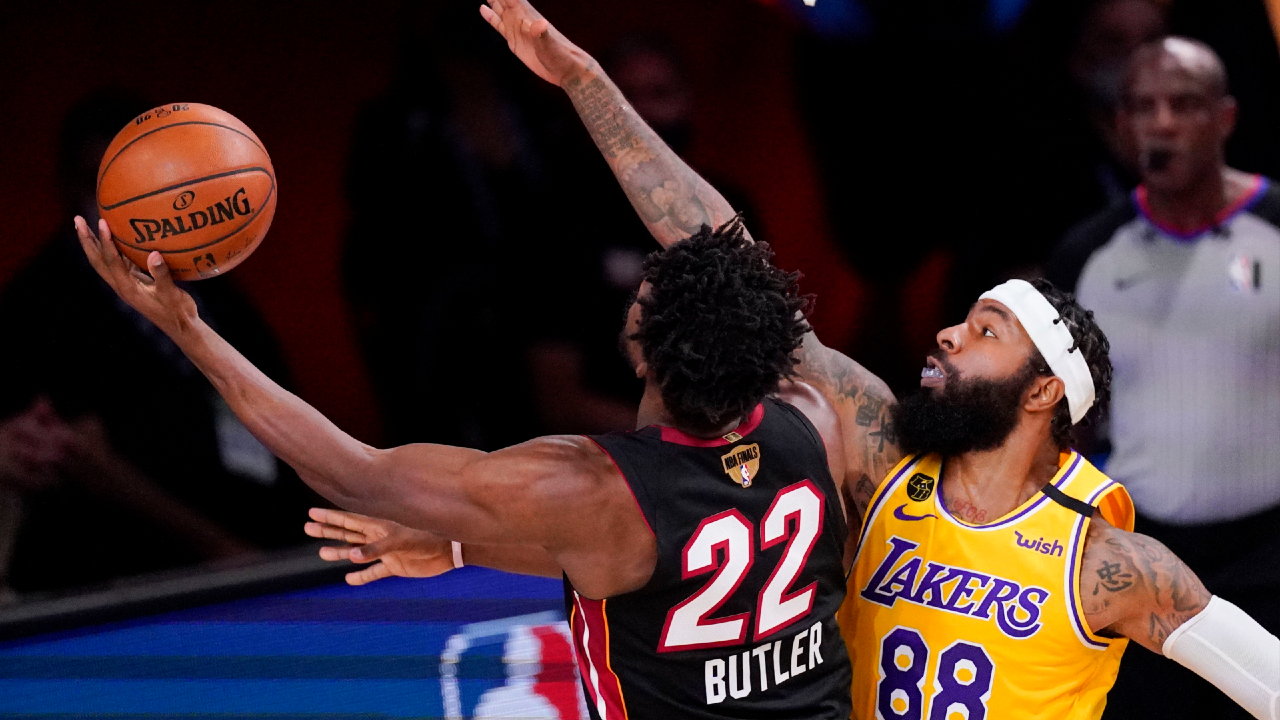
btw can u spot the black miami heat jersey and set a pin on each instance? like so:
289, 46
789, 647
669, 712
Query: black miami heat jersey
738, 620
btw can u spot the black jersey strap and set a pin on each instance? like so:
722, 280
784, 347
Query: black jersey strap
1066, 501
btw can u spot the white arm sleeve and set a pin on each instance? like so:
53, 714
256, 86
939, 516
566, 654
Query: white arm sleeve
1228, 648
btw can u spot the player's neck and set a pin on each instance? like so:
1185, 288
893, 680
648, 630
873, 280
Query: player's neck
980, 487
654, 412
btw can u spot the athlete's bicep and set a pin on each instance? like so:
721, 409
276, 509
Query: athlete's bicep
1132, 585
518, 495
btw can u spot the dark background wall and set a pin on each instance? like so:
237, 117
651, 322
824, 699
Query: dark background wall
297, 73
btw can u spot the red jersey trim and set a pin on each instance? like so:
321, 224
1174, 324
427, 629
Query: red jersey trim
1242, 203
591, 638
672, 435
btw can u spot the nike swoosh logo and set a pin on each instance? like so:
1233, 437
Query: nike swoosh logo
897, 512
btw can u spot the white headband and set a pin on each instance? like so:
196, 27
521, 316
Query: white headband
1051, 338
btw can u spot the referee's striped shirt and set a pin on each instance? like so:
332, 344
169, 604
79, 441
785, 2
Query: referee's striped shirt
1194, 324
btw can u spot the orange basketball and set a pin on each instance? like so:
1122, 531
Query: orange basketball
192, 182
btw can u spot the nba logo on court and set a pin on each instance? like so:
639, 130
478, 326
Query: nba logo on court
520, 666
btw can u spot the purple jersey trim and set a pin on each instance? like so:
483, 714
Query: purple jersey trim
1228, 213
1077, 544
874, 508
1061, 482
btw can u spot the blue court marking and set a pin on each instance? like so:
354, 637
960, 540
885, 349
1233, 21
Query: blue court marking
396, 698
337, 651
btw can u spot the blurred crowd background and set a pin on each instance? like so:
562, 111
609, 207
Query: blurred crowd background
451, 258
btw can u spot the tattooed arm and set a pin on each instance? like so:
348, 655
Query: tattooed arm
1131, 585
671, 199
863, 403
674, 203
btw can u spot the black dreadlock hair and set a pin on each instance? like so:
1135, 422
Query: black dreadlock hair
1090, 340
720, 326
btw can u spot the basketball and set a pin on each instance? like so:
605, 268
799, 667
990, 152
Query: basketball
191, 182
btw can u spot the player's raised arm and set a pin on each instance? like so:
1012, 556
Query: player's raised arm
674, 202
562, 494
671, 199
1132, 585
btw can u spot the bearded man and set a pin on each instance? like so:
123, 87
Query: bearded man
995, 573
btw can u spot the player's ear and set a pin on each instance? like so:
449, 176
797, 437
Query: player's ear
1045, 393
642, 369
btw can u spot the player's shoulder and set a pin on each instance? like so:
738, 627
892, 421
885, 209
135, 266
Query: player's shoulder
805, 400
1071, 255
561, 464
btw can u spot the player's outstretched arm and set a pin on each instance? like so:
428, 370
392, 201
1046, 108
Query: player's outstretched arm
1132, 585
674, 202
671, 199
562, 494
398, 551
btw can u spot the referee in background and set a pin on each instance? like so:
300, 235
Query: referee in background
1184, 278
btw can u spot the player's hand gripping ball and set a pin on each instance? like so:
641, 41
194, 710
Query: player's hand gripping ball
191, 182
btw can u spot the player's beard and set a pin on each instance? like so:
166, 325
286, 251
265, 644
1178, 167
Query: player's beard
964, 416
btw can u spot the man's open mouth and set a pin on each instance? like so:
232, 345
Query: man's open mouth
932, 370
1157, 160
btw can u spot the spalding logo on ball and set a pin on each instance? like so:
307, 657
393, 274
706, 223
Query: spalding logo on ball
191, 182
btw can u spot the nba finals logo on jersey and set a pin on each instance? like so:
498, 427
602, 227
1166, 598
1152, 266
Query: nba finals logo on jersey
920, 487
1016, 609
742, 463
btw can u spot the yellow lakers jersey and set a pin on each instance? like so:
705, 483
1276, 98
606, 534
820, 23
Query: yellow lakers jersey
945, 620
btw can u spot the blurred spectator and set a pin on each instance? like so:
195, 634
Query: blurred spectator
108, 431
581, 381
449, 195
1066, 62
1184, 277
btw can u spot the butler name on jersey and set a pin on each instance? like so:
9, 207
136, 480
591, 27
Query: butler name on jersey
738, 619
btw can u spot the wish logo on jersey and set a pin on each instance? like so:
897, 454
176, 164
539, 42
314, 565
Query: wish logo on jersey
905, 576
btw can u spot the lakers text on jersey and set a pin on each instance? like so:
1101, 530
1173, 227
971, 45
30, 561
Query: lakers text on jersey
947, 620
738, 620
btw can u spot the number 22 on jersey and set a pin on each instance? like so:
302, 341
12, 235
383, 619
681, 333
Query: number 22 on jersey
725, 543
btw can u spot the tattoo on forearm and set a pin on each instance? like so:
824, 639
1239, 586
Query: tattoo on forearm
662, 188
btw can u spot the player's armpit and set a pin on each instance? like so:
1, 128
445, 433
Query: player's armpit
864, 404
1132, 585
